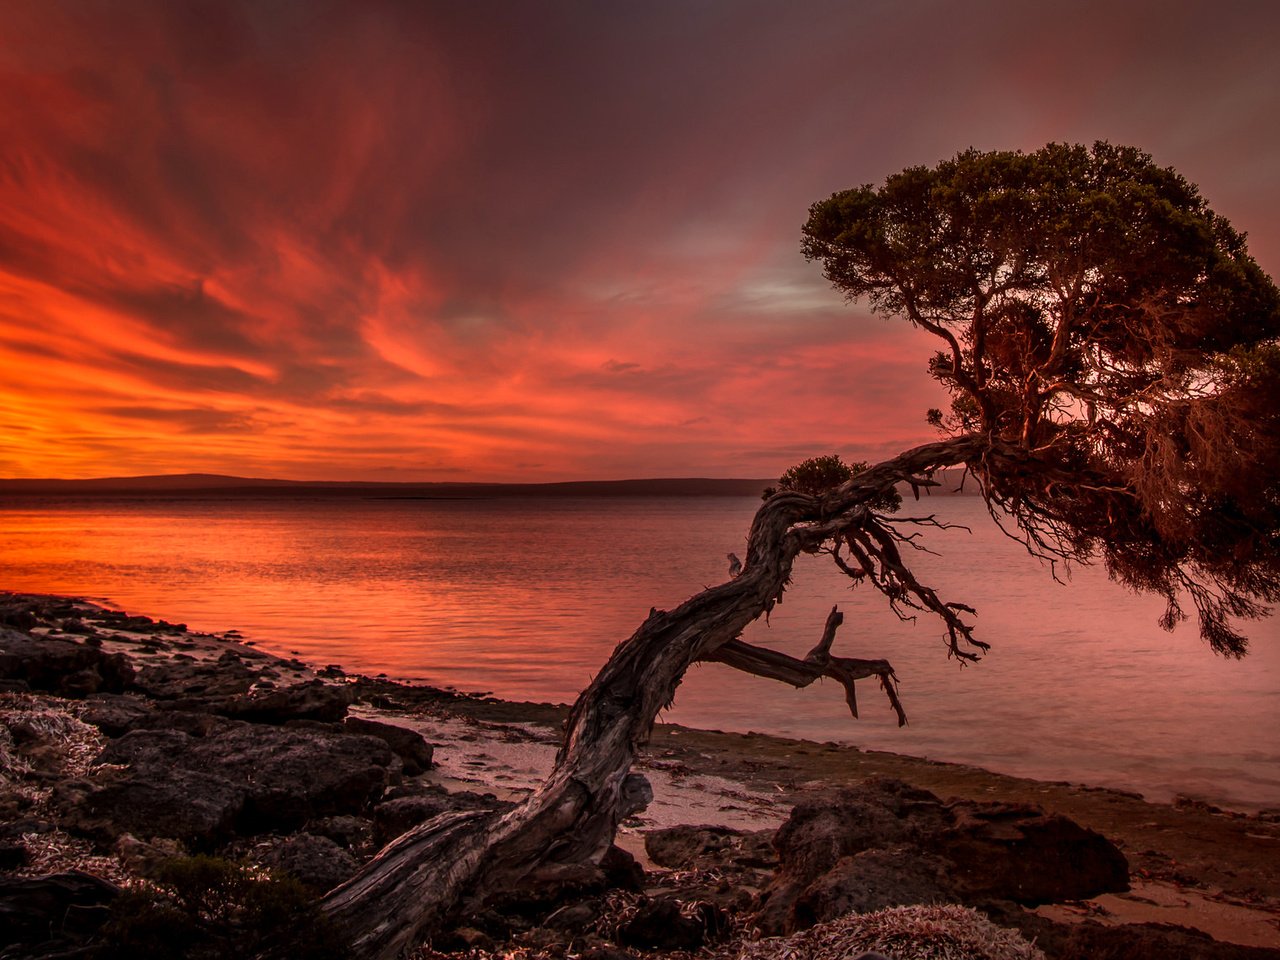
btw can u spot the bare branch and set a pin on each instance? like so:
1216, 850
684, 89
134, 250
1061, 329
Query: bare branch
774, 665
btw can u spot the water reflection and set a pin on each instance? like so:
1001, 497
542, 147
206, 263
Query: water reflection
527, 598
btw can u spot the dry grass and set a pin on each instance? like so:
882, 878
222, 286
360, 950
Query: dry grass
51, 720
948, 932
67, 745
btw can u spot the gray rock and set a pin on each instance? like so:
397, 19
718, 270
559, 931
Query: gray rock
200, 809
196, 681
314, 700
873, 880
926, 851
346, 831
681, 847
245, 778
409, 745
115, 714
316, 862
1018, 852
64, 667
394, 817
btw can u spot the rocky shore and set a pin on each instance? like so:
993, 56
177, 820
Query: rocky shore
163, 790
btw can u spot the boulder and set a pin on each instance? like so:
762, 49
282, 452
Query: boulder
621, 870
13, 856
314, 700
683, 847
345, 831
316, 862
243, 777
885, 843
1018, 852
63, 667
115, 714
200, 809
198, 681
409, 745
400, 814
1090, 940
873, 880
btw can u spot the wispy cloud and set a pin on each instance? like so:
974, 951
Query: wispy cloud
525, 242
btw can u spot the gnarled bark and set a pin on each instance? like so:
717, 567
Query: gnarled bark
454, 861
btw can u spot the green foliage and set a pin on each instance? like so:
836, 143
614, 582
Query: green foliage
817, 475
202, 908
1097, 315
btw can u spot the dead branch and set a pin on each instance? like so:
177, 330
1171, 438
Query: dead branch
774, 665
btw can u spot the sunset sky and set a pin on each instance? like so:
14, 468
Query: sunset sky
528, 240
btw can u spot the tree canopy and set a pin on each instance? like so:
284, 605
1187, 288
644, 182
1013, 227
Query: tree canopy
1111, 337
819, 474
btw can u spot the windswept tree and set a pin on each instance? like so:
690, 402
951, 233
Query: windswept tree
1111, 353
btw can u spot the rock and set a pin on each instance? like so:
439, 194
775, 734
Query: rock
409, 745
879, 813
62, 667
115, 714
244, 777
169, 717
621, 870
146, 858
316, 862
198, 808
345, 831
19, 612
873, 880
681, 847
400, 814
659, 925
62, 909
927, 851
314, 700
469, 938
1018, 852
607, 953
1090, 940
197, 681
575, 917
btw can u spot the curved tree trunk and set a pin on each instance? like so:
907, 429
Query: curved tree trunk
455, 860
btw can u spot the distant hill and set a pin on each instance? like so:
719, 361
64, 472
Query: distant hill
205, 485
199, 485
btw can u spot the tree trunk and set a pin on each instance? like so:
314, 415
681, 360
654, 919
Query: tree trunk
454, 861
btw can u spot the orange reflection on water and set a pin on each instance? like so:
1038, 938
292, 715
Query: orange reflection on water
527, 599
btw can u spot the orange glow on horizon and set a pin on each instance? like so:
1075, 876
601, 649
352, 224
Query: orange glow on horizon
407, 244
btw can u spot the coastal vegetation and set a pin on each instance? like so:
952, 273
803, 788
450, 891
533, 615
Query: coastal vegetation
1110, 350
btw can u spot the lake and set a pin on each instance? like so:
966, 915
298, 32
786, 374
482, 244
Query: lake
525, 599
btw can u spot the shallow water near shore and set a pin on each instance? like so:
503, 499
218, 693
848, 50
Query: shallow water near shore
526, 598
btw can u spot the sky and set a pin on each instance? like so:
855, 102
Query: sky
529, 241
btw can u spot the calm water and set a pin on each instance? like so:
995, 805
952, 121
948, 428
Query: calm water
525, 599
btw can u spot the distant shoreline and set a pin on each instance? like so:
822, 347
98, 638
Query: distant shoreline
204, 486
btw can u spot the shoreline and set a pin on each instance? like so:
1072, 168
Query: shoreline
1191, 863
